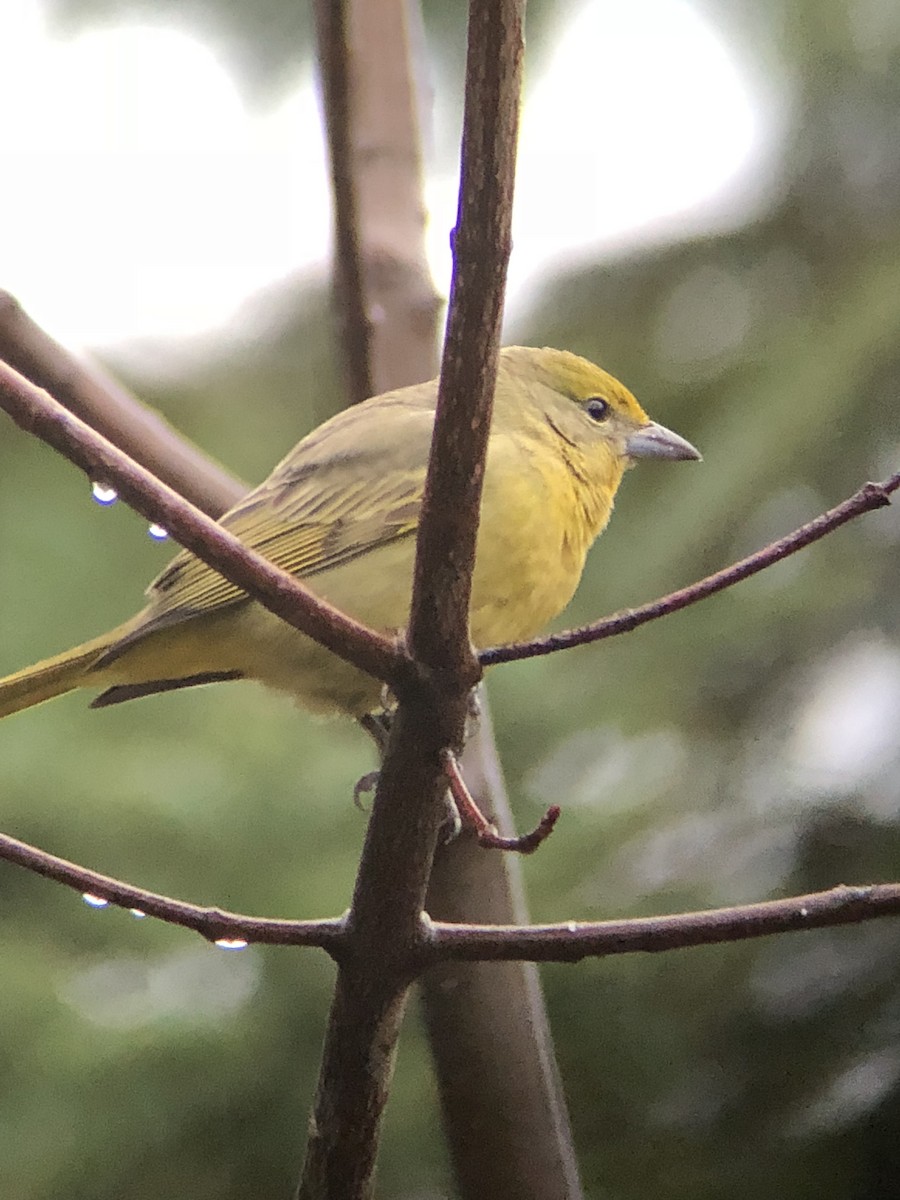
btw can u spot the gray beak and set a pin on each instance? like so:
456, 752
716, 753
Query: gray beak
655, 441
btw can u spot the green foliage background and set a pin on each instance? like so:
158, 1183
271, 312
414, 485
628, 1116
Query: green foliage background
739, 750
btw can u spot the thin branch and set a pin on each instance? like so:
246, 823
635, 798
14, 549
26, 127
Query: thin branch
438, 633
104, 404
37, 413
870, 496
442, 942
214, 924
573, 941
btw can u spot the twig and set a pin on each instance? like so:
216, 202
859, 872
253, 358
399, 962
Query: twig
104, 404
474, 821
37, 413
869, 497
573, 941
214, 924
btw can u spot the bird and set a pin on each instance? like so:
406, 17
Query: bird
341, 512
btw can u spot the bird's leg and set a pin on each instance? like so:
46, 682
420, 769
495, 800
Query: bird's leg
462, 811
471, 817
378, 726
473, 712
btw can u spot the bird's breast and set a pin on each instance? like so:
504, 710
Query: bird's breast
538, 522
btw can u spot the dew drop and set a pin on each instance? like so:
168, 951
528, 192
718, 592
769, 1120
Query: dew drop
231, 943
103, 494
158, 532
572, 927
94, 901
137, 913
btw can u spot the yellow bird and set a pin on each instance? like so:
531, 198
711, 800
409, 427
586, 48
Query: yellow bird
340, 512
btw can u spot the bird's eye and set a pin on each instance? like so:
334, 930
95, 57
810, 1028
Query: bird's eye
597, 408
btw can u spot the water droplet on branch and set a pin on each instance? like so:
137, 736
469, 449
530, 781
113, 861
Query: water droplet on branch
103, 493
231, 943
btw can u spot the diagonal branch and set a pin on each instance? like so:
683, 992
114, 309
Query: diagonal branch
109, 408
869, 497
214, 924
37, 413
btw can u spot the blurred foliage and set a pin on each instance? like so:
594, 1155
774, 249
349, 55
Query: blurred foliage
747, 747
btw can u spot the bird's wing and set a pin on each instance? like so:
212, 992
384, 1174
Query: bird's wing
336, 496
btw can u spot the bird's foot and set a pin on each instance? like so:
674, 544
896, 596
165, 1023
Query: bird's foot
367, 783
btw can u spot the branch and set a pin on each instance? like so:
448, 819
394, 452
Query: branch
869, 497
370, 61
39, 414
331, 38
214, 924
438, 634
387, 303
385, 919
105, 405
442, 942
573, 941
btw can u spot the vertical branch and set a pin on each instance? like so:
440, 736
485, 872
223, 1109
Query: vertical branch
438, 631
401, 302
487, 1022
331, 33
388, 306
494, 1015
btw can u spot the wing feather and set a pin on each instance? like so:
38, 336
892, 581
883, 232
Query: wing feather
333, 499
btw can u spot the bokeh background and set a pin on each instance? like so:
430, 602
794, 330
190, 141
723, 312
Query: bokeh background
709, 203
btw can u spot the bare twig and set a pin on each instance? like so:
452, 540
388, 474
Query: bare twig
212, 923
37, 413
104, 404
443, 942
573, 941
870, 496
474, 821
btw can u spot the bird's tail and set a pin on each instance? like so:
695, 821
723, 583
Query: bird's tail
52, 677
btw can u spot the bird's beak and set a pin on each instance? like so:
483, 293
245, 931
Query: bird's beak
655, 441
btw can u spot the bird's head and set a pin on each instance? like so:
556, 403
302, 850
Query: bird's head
586, 407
